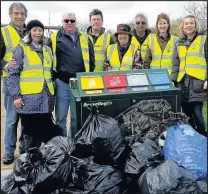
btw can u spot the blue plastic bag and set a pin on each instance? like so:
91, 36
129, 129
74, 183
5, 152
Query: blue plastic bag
188, 148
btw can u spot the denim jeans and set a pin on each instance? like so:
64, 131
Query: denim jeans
11, 123
194, 111
62, 105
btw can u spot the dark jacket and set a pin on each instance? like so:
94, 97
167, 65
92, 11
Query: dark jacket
69, 56
192, 88
89, 31
141, 39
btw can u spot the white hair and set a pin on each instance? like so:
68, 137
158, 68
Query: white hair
70, 14
141, 15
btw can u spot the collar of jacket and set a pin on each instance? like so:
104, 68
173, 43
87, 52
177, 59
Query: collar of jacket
76, 33
147, 32
166, 39
89, 30
185, 42
18, 29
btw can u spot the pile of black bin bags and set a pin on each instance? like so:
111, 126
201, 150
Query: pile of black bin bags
107, 156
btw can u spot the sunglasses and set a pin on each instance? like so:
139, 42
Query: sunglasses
67, 21
143, 23
122, 28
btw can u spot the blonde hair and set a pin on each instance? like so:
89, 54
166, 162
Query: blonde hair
181, 32
28, 39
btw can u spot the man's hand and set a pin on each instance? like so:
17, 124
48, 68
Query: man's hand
18, 103
205, 85
11, 64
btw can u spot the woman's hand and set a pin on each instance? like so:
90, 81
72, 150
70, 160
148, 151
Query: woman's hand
205, 85
11, 64
18, 103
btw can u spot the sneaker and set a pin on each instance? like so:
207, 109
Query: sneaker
8, 158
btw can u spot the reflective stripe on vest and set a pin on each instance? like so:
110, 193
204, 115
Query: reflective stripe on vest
100, 47
11, 39
53, 41
162, 59
142, 47
35, 72
192, 60
113, 57
84, 48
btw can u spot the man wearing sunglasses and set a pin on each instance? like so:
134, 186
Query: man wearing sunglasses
73, 52
141, 33
99, 38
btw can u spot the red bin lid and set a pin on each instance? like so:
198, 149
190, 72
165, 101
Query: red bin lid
115, 81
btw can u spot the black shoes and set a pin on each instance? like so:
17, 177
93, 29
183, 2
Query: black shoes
8, 158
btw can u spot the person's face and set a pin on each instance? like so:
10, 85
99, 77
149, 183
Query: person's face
37, 34
69, 23
189, 26
18, 17
96, 22
123, 38
162, 26
140, 24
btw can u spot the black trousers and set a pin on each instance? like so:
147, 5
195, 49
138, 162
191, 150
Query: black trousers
38, 128
194, 111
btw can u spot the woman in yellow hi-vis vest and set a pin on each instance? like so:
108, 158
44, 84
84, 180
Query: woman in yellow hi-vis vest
161, 45
31, 86
123, 54
190, 71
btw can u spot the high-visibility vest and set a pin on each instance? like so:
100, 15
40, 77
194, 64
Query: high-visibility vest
35, 72
11, 39
142, 47
113, 57
84, 48
162, 59
192, 60
100, 47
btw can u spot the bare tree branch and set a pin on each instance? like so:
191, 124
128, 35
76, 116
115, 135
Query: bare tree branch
199, 10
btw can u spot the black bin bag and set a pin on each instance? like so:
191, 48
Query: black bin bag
167, 178
45, 169
8, 185
149, 118
91, 178
100, 137
144, 153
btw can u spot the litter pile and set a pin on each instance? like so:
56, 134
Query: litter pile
117, 156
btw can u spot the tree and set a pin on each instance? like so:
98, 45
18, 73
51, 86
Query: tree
82, 26
174, 26
199, 10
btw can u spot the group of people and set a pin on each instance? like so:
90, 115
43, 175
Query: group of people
36, 75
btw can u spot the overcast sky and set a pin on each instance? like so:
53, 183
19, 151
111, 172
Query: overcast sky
114, 12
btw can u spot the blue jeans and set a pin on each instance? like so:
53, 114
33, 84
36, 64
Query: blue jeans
12, 119
194, 111
62, 105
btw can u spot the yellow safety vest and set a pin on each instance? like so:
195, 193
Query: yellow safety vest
142, 47
99, 50
11, 39
35, 71
162, 59
113, 57
192, 60
84, 48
